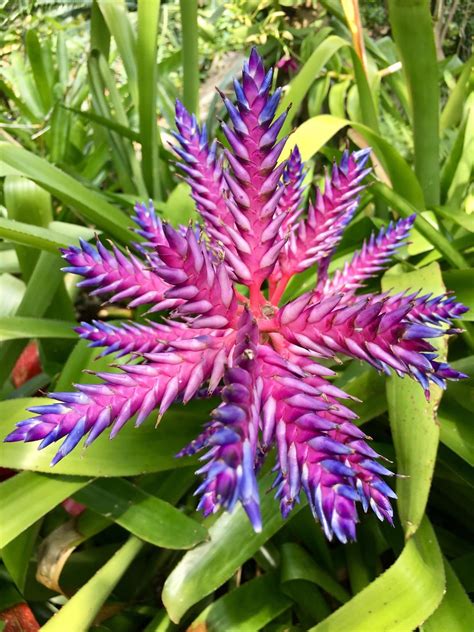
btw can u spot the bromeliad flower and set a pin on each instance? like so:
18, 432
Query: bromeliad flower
220, 285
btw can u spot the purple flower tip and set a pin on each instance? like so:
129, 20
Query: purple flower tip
258, 356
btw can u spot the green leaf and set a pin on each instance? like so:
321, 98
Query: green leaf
25, 88
108, 123
400, 599
11, 291
147, 40
60, 133
412, 30
30, 235
462, 566
403, 206
120, 154
366, 95
90, 203
83, 607
47, 276
209, 565
28, 496
179, 208
452, 160
17, 553
297, 565
311, 135
144, 515
462, 177
9, 597
99, 33
457, 431
9, 262
78, 360
134, 450
249, 607
73, 232
413, 419
161, 623
305, 77
455, 610
462, 392
117, 20
29, 203
189, 30
452, 112
368, 387
26, 202
337, 98
461, 283
40, 73
456, 216
62, 59
16, 327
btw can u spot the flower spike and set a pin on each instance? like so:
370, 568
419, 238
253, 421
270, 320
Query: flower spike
253, 176
291, 201
371, 259
315, 237
111, 272
264, 361
203, 170
232, 436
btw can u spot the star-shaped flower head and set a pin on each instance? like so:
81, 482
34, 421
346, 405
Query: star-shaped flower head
261, 358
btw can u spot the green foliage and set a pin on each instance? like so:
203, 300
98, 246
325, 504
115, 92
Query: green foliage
87, 91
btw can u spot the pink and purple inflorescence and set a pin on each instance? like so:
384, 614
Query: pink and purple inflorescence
259, 357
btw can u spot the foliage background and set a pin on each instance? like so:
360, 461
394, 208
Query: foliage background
87, 94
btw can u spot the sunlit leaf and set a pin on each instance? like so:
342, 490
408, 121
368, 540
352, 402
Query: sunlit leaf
12, 328
402, 598
413, 418
28, 496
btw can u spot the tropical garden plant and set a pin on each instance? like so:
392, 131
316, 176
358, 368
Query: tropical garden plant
235, 304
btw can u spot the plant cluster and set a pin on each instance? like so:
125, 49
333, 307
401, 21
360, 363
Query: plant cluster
243, 312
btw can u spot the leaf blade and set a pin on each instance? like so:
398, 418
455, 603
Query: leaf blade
28, 496
83, 607
416, 444
402, 597
144, 515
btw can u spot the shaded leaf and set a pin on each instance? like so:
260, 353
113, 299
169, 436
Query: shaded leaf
297, 564
461, 282
144, 515
249, 607
83, 607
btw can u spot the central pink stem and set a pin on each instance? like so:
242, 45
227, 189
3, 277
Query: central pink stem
279, 289
256, 299
267, 325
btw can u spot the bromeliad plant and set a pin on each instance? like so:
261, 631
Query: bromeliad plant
220, 284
